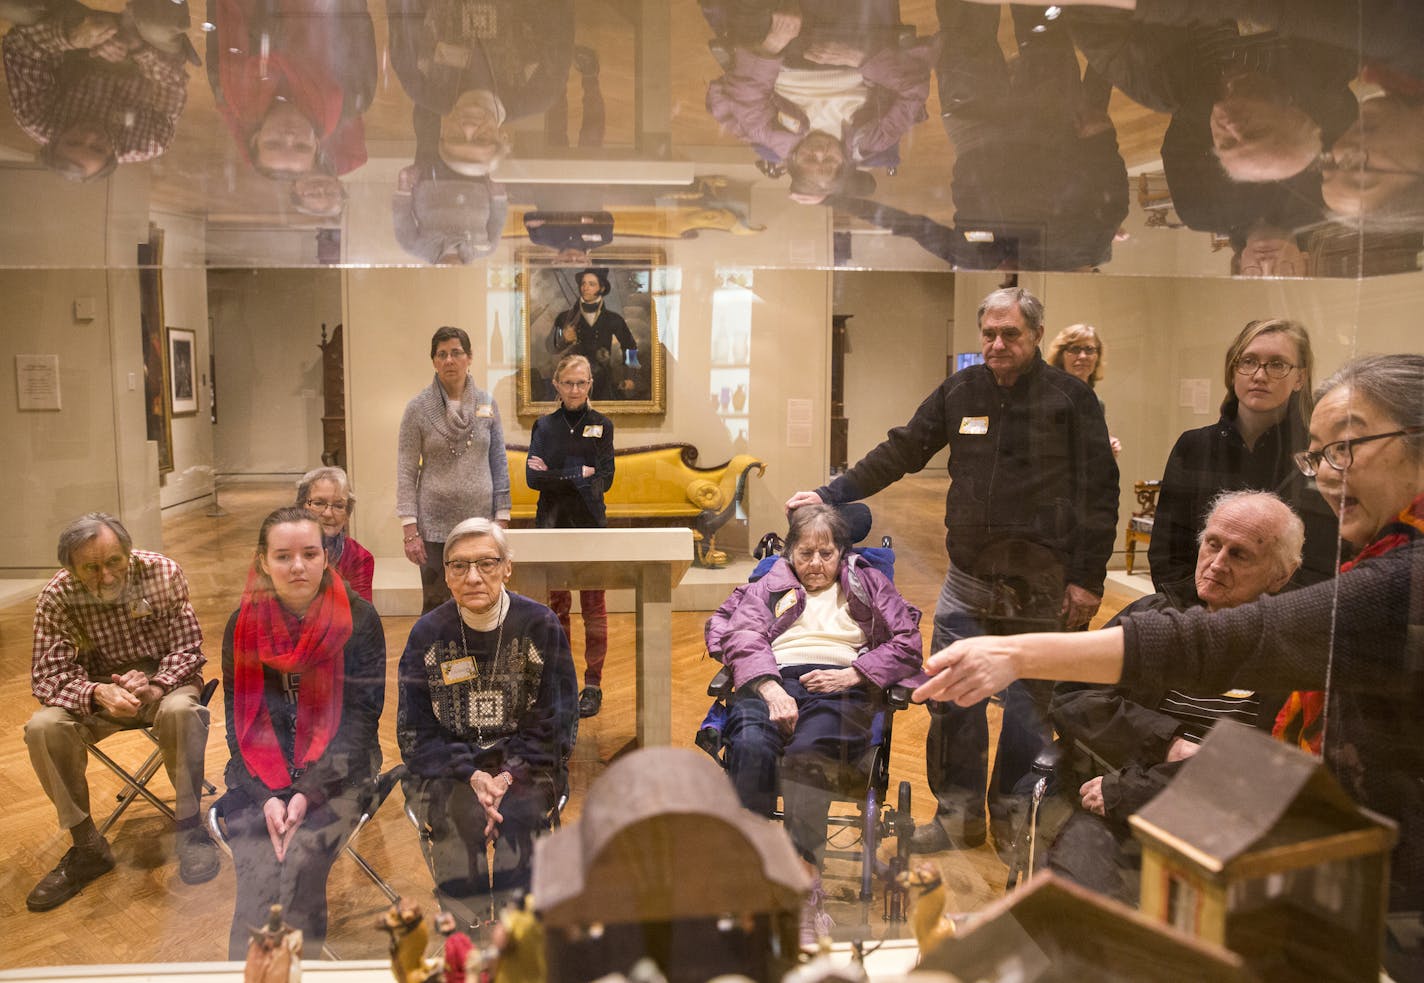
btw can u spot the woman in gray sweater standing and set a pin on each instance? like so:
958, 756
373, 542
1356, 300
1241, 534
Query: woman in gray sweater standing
450, 462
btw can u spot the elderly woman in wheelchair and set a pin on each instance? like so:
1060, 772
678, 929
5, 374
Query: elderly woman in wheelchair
810, 647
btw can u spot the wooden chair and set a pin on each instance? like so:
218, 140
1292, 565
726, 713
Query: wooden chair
1139, 526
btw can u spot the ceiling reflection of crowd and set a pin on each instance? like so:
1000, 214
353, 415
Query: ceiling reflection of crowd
1291, 143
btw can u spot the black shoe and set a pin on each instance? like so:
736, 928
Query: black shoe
197, 856
75, 869
932, 837
589, 701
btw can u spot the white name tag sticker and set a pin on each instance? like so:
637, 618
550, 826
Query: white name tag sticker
457, 671
593, 430
487, 410
787, 602
1239, 694
975, 426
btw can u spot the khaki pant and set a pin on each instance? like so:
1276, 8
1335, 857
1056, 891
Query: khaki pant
57, 740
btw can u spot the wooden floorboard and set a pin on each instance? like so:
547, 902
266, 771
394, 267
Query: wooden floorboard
143, 912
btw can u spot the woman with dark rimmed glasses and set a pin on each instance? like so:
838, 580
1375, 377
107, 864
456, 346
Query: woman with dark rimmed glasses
1360, 637
1268, 376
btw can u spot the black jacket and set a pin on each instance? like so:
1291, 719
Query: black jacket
1028, 462
1210, 460
566, 443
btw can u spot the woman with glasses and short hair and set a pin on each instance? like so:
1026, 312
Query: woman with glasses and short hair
1078, 350
1361, 633
327, 494
1263, 417
450, 461
570, 465
487, 720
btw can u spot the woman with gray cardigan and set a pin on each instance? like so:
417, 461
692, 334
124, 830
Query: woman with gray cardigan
450, 462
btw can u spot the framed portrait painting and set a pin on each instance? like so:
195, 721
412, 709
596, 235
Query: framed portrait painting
606, 312
183, 370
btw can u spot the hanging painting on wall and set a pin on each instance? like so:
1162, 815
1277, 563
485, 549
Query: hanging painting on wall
183, 367
155, 350
615, 327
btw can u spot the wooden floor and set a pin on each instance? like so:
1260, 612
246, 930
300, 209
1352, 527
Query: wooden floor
143, 912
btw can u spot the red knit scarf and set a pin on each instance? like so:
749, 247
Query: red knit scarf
1302, 719
262, 639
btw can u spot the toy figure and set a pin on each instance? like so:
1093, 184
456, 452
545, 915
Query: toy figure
275, 953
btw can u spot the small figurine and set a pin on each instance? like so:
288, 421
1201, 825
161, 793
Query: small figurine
519, 937
275, 953
930, 919
405, 924
462, 960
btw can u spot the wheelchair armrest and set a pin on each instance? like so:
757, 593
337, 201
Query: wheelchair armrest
897, 697
721, 686
1047, 760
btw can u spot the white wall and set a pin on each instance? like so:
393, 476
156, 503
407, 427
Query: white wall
266, 332
185, 305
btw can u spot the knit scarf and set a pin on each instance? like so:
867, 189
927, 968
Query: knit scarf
261, 640
1302, 719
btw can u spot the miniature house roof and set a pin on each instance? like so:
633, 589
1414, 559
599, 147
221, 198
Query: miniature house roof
663, 837
1244, 795
1051, 930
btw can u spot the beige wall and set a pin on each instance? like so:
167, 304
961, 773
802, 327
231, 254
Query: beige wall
92, 453
185, 305
266, 332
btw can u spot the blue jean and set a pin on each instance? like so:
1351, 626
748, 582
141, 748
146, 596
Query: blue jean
830, 740
957, 745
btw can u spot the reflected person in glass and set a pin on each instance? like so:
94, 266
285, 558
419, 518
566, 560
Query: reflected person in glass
819, 89
97, 89
304, 683
1360, 633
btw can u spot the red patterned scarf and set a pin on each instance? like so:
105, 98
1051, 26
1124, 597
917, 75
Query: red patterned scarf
1302, 719
262, 639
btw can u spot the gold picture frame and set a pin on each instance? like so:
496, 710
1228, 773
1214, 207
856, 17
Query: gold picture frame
549, 297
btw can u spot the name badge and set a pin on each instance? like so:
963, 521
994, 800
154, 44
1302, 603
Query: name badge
976, 426
457, 671
787, 602
1239, 694
487, 410
593, 430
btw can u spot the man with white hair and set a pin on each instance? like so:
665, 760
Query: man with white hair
1130, 742
116, 643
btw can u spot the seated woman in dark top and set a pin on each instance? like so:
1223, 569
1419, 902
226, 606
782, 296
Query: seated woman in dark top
327, 494
486, 723
304, 681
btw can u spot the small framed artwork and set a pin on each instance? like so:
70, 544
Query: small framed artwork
183, 368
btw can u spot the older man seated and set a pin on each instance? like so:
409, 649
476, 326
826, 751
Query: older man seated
116, 644
1132, 742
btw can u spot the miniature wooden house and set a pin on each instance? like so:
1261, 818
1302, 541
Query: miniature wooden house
1256, 847
1051, 930
665, 863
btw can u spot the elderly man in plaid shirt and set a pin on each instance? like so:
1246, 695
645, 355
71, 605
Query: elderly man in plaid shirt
116, 643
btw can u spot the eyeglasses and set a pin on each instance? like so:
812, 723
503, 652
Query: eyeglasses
1081, 349
450, 356
320, 505
1340, 454
573, 383
1357, 159
1275, 368
485, 565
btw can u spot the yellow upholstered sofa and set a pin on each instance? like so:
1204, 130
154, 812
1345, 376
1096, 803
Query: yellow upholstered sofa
658, 485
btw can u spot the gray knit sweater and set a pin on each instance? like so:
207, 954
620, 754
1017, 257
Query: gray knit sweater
445, 474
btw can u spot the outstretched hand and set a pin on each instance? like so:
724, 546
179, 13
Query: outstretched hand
970, 670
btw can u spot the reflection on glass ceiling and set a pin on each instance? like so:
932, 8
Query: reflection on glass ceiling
1226, 137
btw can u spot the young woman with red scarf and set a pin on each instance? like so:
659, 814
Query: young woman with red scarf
304, 676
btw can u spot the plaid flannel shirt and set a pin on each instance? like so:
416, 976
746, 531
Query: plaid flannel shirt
138, 106
80, 641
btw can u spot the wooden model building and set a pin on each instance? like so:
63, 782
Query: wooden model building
664, 862
1053, 931
1255, 846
